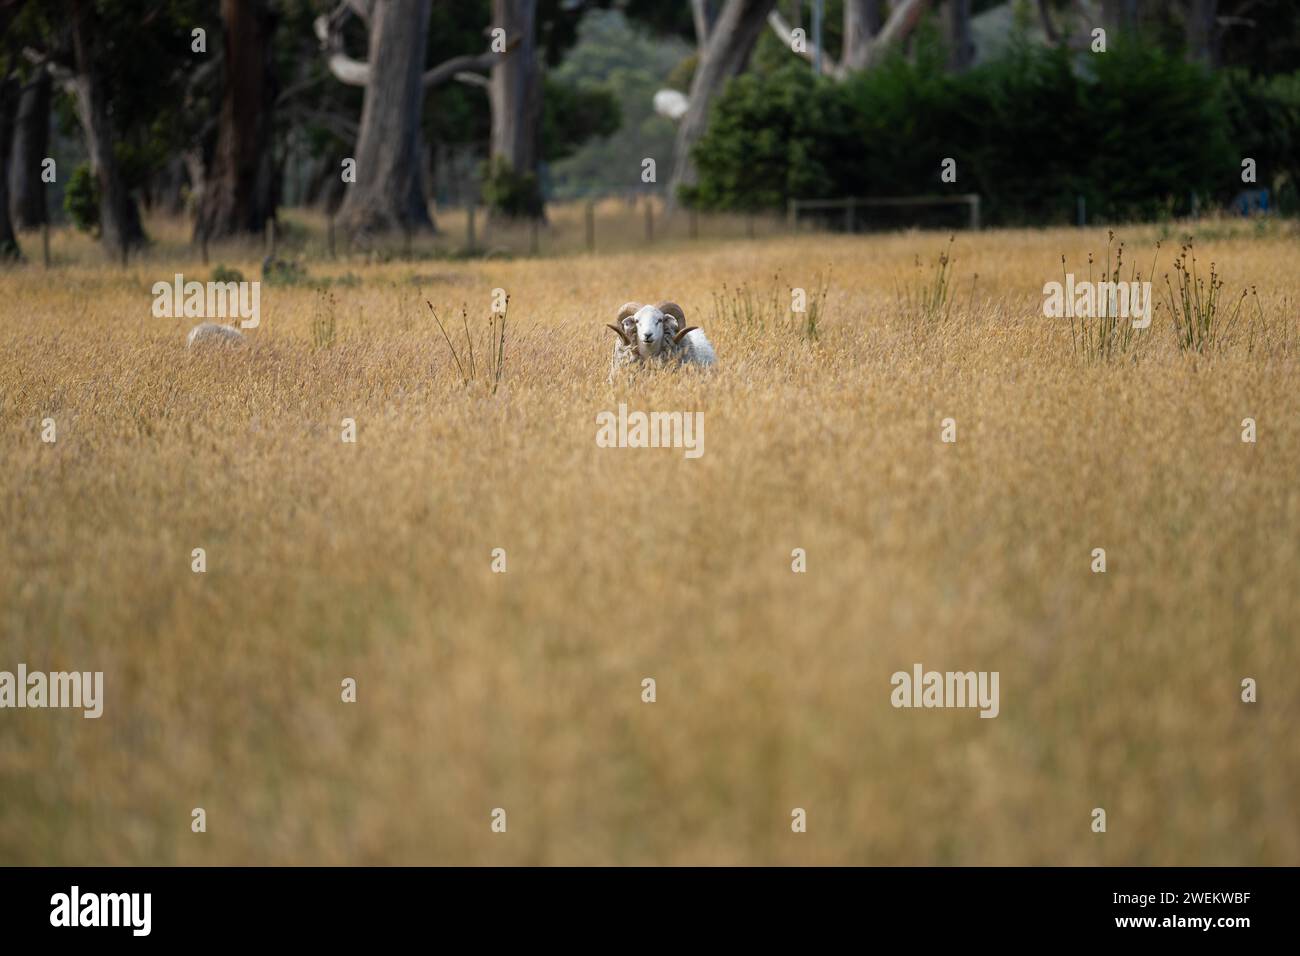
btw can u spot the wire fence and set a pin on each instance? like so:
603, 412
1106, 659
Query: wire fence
609, 225
637, 222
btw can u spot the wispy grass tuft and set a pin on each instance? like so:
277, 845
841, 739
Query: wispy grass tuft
747, 308
926, 302
467, 366
753, 309
1201, 321
816, 306
323, 323
1102, 338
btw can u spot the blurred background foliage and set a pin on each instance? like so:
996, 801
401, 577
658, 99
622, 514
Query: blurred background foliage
1138, 133
1036, 122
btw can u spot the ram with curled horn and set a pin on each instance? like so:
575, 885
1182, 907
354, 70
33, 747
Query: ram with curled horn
658, 333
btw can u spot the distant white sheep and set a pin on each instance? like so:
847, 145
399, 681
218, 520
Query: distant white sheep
671, 103
214, 334
658, 334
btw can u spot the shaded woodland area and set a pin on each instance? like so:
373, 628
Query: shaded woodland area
377, 110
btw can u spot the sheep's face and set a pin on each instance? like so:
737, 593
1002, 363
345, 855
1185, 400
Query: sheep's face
653, 330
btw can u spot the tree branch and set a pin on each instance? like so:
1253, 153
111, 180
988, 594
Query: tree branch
342, 127
356, 72
472, 79
62, 74
480, 62
901, 22
327, 28
703, 19
783, 30
904, 17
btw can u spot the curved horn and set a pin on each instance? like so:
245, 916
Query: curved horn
675, 310
629, 309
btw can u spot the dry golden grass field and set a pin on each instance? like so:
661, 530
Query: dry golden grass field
523, 690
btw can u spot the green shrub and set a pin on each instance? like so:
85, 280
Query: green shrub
574, 113
512, 194
1265, 120
1156, 134
770, 139
283, 272
81, 199
222, 274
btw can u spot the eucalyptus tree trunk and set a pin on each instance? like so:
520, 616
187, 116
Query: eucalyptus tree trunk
239, 189
388, 193
8, 107
31, 143
702, 16
515, 90
959, 34
732, 39
119, 217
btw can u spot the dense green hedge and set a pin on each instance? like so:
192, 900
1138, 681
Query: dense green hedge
1135, 131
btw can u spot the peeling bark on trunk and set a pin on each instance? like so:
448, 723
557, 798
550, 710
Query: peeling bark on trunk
734, 34
388, 194
31, 142
119, 218
239, 189
515, 89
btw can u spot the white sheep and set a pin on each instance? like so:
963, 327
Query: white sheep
658, 334
215, 334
